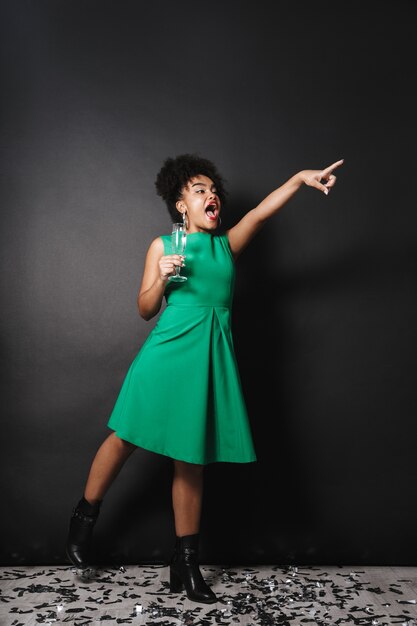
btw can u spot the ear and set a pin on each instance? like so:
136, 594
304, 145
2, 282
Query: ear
180, 206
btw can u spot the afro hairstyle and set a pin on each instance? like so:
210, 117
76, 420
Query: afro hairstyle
176, 173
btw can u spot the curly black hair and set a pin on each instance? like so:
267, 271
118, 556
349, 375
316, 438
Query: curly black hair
175, 174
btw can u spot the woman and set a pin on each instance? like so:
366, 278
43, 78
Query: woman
182, 395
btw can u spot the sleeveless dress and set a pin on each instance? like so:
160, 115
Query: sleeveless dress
182, 394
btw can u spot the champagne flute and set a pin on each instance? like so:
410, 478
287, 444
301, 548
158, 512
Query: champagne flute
178, 241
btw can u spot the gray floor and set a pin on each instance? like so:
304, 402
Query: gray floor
266, 596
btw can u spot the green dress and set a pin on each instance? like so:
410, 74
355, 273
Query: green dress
182, 394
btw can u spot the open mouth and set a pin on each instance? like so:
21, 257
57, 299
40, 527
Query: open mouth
212, 211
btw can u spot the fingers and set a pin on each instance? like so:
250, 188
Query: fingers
317, 185
331, 180
328, 177
325, 187
332, 167
175, 258
168, 263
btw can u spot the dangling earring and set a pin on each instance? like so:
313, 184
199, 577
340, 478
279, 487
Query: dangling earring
184, 219
220, 221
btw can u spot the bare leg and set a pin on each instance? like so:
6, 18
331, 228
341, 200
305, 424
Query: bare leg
107, 463
187, 494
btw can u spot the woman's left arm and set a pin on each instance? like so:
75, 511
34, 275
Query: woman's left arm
240, 235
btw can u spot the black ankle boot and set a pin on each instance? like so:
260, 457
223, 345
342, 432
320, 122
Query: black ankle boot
185, 573
79, 540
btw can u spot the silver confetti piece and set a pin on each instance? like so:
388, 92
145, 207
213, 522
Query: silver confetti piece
407, 601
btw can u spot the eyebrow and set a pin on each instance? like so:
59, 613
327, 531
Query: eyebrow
204, 184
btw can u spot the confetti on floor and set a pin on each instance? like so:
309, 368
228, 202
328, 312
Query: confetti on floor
248, 596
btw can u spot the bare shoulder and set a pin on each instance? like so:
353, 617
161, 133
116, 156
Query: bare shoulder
155, 251
151, 269
156, 247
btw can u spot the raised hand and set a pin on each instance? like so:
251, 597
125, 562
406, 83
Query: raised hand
313, 178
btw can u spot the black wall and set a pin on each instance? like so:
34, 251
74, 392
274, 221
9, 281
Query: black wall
95, 95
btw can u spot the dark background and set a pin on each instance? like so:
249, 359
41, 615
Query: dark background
95, 95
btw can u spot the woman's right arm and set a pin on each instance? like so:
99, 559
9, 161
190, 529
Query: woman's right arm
158, 268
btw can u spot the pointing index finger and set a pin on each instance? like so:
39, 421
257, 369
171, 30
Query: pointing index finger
330, 168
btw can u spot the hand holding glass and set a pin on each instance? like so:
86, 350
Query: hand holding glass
178, 241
